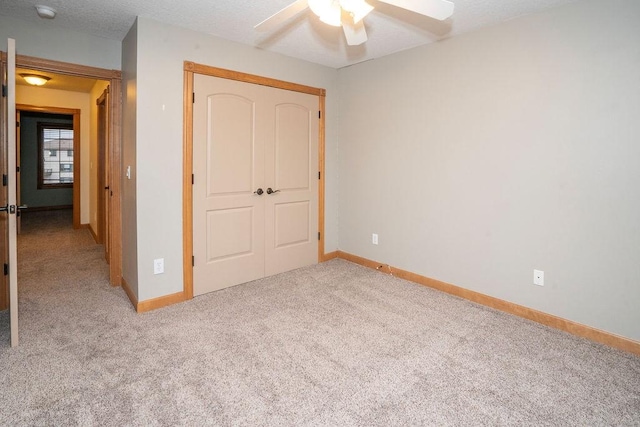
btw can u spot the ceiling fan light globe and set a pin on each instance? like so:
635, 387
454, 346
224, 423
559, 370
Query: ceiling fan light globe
332, 15
358, 9
320, 7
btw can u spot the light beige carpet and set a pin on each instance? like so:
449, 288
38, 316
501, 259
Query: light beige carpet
333, 344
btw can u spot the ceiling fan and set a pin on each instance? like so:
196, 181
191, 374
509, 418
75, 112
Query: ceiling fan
349, 14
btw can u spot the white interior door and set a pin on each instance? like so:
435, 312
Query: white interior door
10, 209
255, 191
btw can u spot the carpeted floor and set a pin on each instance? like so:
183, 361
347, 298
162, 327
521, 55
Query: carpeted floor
334, 344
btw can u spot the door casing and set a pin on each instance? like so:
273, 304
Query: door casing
103, 196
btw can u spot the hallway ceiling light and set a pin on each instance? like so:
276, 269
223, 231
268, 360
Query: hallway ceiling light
35, 79
46, 12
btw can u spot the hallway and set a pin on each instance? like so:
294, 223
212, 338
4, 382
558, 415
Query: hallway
55, 264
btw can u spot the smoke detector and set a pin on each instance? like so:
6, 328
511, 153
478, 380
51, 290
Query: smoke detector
46, 12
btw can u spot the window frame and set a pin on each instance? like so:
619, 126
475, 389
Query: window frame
41, 162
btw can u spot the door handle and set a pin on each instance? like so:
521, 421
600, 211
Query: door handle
258, 192
270, 191
12, 208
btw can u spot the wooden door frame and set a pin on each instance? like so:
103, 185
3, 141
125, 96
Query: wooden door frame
102, 145
191, 68
114, 77
75, 113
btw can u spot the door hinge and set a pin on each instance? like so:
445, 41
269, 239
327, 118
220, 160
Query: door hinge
6, 269
4, 91
193, 261
319, 114
4, 179
17, 168
193, 179
318, 174
193, 97
318, 235
17, 124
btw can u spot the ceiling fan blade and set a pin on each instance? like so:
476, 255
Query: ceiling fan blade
438, 9
354, 33
281, 16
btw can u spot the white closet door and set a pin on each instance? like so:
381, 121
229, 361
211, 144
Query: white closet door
291, 170
255, 192
228, 166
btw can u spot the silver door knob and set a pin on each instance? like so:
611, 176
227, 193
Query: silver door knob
259, 191
270, 191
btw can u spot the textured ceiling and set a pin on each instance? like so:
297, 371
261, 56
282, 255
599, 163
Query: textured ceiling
390, 29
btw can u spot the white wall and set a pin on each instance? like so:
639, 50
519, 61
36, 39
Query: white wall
59, 44
161, 52
42, 97
484, 156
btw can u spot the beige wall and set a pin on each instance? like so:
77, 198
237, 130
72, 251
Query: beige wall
42, 97
484, 156
96, 92
161, 51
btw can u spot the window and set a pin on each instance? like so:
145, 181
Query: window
54, 170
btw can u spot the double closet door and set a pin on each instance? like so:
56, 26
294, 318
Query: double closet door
255, 188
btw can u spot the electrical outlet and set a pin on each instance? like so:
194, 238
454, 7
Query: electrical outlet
158, 266
374, 238
538, 277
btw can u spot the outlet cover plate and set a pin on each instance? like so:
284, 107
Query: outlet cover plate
158, 266
538, 277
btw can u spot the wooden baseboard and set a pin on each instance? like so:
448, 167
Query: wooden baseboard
329, 256
93, 233
130, 294
550, 320
154, 303
163, 301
